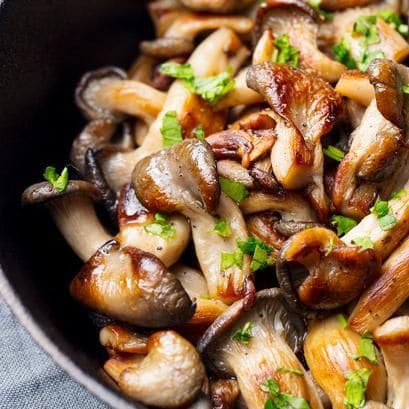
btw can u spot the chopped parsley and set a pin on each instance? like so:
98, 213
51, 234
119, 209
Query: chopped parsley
171, 129
280, 400
367, 349
334, 153
284, 52
290, 370
199, 132
58, 181
161, 227
344, 224
342, 320
211, 89
233, 189
342, 53
244, 334
259, 251
222, 228
355, 388
229, 260
330, 247
364, 242
382, 211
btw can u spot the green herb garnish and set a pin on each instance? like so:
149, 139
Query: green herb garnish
344, 224
222, 228
244, 334
171, 129
334, 153
355, 388
58, 181
161, 227
284, 52
233, 189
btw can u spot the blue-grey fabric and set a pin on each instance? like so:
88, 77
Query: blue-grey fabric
29, 378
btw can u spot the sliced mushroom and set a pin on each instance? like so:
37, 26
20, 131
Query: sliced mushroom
171, 374
73, 212
218, 51
330, 350
106, 93
183, 179
318, 272
224, 393
307, 109
275, 336
300, 22
218, 6
117, 338
393, 339
133, 286
384, 297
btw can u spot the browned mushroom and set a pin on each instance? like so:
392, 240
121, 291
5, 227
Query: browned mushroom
307, 110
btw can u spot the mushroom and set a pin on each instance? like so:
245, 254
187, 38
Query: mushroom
384, 297
307, 109
183, 179
170, 375
132, 286
73, 212
317, 271
329, 350
393, 339
106, 93
274, 336
218, 6
300, 22
218, 51
224, 393
119, 339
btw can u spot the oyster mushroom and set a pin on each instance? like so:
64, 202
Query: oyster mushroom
317, 271
215, 54
132, 286
170, 375
276, 335
393, 339
106, 93
119, 339
307, 109
218, 6
300, 22
73, 212
384, 297
330, 350
183, 179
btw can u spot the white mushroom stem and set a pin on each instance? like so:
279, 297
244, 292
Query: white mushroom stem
211, 57
393, 339
77, 221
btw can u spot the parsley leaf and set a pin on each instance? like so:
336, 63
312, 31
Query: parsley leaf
171, 129
334, 153
367, 349
290, 370
233, 189
284, 52
161, 227
400, 194
222, 228
59, 182
231, 259
342, 53
342, 320
364, 242
355, 388
244, 334
344, 224
199, 132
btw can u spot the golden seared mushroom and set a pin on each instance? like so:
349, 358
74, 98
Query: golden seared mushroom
384, 297
170, 375
224, 393
307, 109
257, 345
119, 339
73, 212
178, 39
317, 271
183, 179
107, 93
214, 55
393, 339
298, 21
217, 6
132, 286
332, 352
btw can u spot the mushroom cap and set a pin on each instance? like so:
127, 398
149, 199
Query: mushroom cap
269, 305
89, 84
133, 286
44, 192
